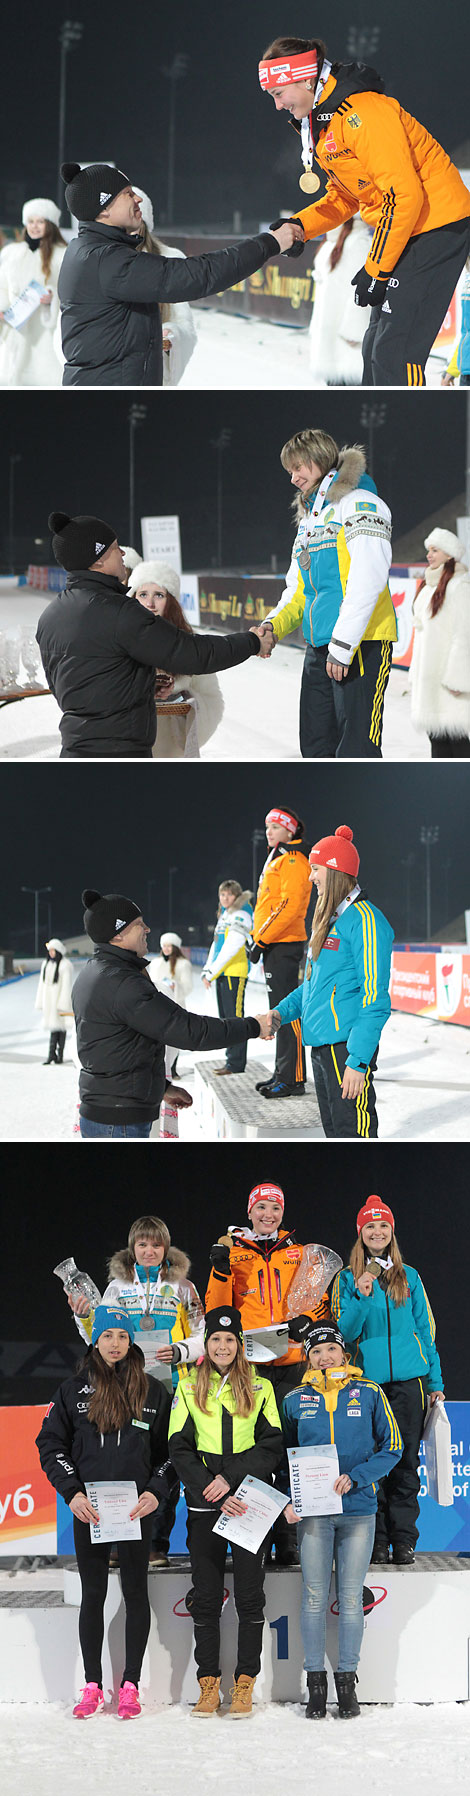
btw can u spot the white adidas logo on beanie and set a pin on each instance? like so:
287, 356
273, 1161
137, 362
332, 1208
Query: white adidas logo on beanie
98, 548
104, 197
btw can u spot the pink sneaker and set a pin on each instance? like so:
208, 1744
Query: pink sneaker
129, 1704
90, 1700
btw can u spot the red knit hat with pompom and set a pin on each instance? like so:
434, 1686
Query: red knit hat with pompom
336, 851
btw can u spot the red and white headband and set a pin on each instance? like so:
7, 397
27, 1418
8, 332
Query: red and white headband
266, 1194
292, 68
283, 818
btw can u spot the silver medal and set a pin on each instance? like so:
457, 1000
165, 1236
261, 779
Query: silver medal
147, 1322
304, 558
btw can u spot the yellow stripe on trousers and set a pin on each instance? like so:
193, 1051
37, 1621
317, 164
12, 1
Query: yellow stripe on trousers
375, 731
240, 996
362, 1108
297, 1028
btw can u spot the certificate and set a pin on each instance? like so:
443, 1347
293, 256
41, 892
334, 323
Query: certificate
263, 1507
313, 1472
23, 307
262, 1344
149, 1340
114, 1503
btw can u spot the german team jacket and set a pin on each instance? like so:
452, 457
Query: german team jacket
344, 995
392, 1341
262, 1272
342, 598
220, 1441
341, 1407
283, 895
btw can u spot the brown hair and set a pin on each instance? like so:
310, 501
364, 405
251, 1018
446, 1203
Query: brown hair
293, 46
237, 891
313, 446
154, 248
397, 1282
119, 1391
338, 247
438, 596
154, 1228
174, 613
176, 954
337, 887
51, 236
240, 1376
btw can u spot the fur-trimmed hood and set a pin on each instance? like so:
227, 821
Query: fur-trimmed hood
351, 464
121, 1265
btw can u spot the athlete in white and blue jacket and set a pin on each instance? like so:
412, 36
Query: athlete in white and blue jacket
344, 999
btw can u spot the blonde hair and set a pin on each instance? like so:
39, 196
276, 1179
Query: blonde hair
240, 1377
397, 1282
311, 446
337, 887
236, 890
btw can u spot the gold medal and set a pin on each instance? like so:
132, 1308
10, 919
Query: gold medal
309, 181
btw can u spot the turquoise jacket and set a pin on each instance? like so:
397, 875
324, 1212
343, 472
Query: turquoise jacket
391, 1341
344, 995
342, 1407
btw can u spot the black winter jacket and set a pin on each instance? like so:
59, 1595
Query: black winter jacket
99, 651
73, 1452
110, 293
123, 1026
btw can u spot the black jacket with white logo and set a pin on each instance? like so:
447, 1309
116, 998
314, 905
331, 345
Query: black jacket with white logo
73, 1452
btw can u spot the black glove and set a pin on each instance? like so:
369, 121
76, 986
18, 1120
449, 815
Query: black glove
369, 291
298, 1328
254, 953
220, 1258
297, 249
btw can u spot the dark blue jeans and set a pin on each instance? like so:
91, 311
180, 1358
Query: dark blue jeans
91, 1131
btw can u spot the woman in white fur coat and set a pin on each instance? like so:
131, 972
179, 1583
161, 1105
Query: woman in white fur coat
54, 998
337, 324
189, 706
28, 357
172, 974
440, 665
178, 326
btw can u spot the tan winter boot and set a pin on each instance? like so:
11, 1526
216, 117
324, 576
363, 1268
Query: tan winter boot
242, 1697
209, 1700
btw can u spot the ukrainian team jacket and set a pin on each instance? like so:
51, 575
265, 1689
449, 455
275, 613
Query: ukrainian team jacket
228, 951
201, 1446
342, 1407
73, 1452
382, 163
259, 1281
344, 995
283, 895
173, 1299
391, 1341
342, 598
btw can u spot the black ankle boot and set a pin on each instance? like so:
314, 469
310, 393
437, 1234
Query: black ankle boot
317, 1682
348, 1705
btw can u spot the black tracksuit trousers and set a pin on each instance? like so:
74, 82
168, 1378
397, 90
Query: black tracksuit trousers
345, 1118
230, 994
398, 1507
93, 1564
343, 718
403, 329
208, 1554
283, 1379
282, 962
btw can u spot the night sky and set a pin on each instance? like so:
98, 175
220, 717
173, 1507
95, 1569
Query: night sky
75, 457
232, 150
208, 1189
115, 828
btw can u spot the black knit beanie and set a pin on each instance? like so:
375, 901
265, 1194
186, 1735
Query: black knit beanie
78, 542
107, 915
225, 1318
89, 190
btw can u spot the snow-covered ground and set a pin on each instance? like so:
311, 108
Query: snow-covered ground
394, 1751
236, 353
260, 721
423, 1081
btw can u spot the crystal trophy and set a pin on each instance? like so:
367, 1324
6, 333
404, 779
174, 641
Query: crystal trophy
77, 1284
317, 1268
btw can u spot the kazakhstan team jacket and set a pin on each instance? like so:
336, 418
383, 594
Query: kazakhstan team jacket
201, 1445
168, 1294
258, 1284
228, 951
344, 995
381, 162
73, 1452
342, 597
392, 1341
342, 1407
283, 896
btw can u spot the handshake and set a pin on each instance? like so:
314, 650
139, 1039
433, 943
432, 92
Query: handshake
267, 639
269, 1024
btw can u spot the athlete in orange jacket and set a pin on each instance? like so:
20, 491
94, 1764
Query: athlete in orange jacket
279, 934
379, 161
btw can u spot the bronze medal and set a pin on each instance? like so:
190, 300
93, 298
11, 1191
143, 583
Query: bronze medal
309, 181
374, 1267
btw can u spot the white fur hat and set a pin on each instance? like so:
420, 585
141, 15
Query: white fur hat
159, 573
145, 206
168, 936
130, 557
56, 943
445, 540
41, 209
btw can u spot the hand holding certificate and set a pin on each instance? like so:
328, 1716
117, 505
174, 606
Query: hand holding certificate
113, 1504
314, 1476
262, 1505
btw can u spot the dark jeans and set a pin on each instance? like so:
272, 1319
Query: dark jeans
450, 748
399, 339
343, 718
208, 1553
282, 962
230, 993
397, 1497
343, 1117
91, 1131
93, 1563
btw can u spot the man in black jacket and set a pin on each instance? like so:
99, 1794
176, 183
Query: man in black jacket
124, 1024
100, 649
110, 293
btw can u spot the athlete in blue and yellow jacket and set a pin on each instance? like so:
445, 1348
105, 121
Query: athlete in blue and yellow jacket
344, 999
341, 1407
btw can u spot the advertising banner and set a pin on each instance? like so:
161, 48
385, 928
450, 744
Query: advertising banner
161, 540
432, 984
403, 583
27, 1500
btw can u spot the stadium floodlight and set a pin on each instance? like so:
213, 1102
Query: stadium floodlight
220, 444
258, 839
429, 837
11, 511
362, 40
36, 893
373, 417
70, 35
136, 415
177, 70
